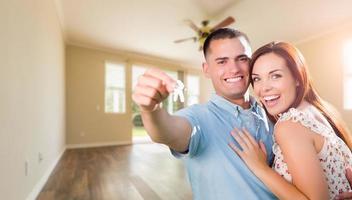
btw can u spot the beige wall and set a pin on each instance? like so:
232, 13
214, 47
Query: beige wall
85, 91
206, 89
32, 107
325, 59
87, 125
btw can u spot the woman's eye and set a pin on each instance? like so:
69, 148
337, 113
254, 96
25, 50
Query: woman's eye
255, 79
276, 76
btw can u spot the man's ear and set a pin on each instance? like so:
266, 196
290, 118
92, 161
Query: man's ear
206, 69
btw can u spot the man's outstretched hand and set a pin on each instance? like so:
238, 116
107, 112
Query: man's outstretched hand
152, 88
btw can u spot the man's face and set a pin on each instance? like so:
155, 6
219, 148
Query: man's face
227, 65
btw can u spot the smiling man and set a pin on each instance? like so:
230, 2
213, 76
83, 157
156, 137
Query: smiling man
199, 134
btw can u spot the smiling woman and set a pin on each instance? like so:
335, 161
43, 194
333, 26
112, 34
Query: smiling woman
274, 84
311, 147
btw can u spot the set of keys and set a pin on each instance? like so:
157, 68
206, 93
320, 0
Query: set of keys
178, 91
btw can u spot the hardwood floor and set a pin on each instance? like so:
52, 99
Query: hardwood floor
133, 172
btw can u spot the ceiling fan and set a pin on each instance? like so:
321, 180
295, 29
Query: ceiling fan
204, 30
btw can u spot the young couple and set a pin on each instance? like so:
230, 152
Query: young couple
310, 146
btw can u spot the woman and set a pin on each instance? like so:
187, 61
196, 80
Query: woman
311, 147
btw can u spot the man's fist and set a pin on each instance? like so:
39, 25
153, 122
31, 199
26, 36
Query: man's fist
152, 88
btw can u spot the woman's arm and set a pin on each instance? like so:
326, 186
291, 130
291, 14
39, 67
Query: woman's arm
300, 155
297, 145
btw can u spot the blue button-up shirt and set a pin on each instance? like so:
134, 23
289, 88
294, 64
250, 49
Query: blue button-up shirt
215, 171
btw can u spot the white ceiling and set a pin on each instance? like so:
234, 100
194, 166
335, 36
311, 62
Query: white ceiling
149, 27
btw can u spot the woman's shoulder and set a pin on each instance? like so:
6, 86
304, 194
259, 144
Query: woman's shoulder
302, 112
296, 121
292, 134
307, 116
289, 128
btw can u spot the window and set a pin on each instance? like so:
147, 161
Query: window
347, 76
137, 71
192, 89
115, 85
168, 103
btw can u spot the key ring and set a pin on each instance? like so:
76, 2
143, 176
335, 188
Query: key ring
178, 91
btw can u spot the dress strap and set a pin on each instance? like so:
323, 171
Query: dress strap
307, 119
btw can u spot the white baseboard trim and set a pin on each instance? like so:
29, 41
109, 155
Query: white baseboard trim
98, 144
40, 184
142, 140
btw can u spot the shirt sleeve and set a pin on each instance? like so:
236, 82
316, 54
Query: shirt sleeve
269, 144
192, 116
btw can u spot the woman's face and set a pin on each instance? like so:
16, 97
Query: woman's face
273, 83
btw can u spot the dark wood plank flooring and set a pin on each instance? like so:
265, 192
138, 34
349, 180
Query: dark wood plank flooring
133, 172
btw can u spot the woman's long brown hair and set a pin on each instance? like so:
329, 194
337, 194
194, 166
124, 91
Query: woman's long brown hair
305, 90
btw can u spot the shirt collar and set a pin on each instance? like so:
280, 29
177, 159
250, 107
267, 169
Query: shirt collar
236, 109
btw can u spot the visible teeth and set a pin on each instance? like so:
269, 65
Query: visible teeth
231, 80
268, 98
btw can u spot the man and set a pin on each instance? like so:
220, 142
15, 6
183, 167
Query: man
200, 134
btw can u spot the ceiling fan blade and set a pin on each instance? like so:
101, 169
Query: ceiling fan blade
225, 22
192, 25
186, 39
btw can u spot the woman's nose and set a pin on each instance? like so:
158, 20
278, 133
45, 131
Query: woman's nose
266, 86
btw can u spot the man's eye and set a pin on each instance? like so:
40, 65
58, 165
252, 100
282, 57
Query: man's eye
244, 59
222, 62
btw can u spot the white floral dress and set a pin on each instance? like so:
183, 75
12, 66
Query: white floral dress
335, 156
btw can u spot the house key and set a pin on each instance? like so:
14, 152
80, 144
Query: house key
178, 91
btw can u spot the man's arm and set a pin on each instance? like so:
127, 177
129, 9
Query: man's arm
152, 88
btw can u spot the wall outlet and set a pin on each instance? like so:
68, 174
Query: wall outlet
40, 157
82, 134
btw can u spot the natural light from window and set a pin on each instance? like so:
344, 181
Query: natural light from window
192, 89
115, 84
347, 56
170, 104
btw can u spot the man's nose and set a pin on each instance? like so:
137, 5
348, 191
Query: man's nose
233, 65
